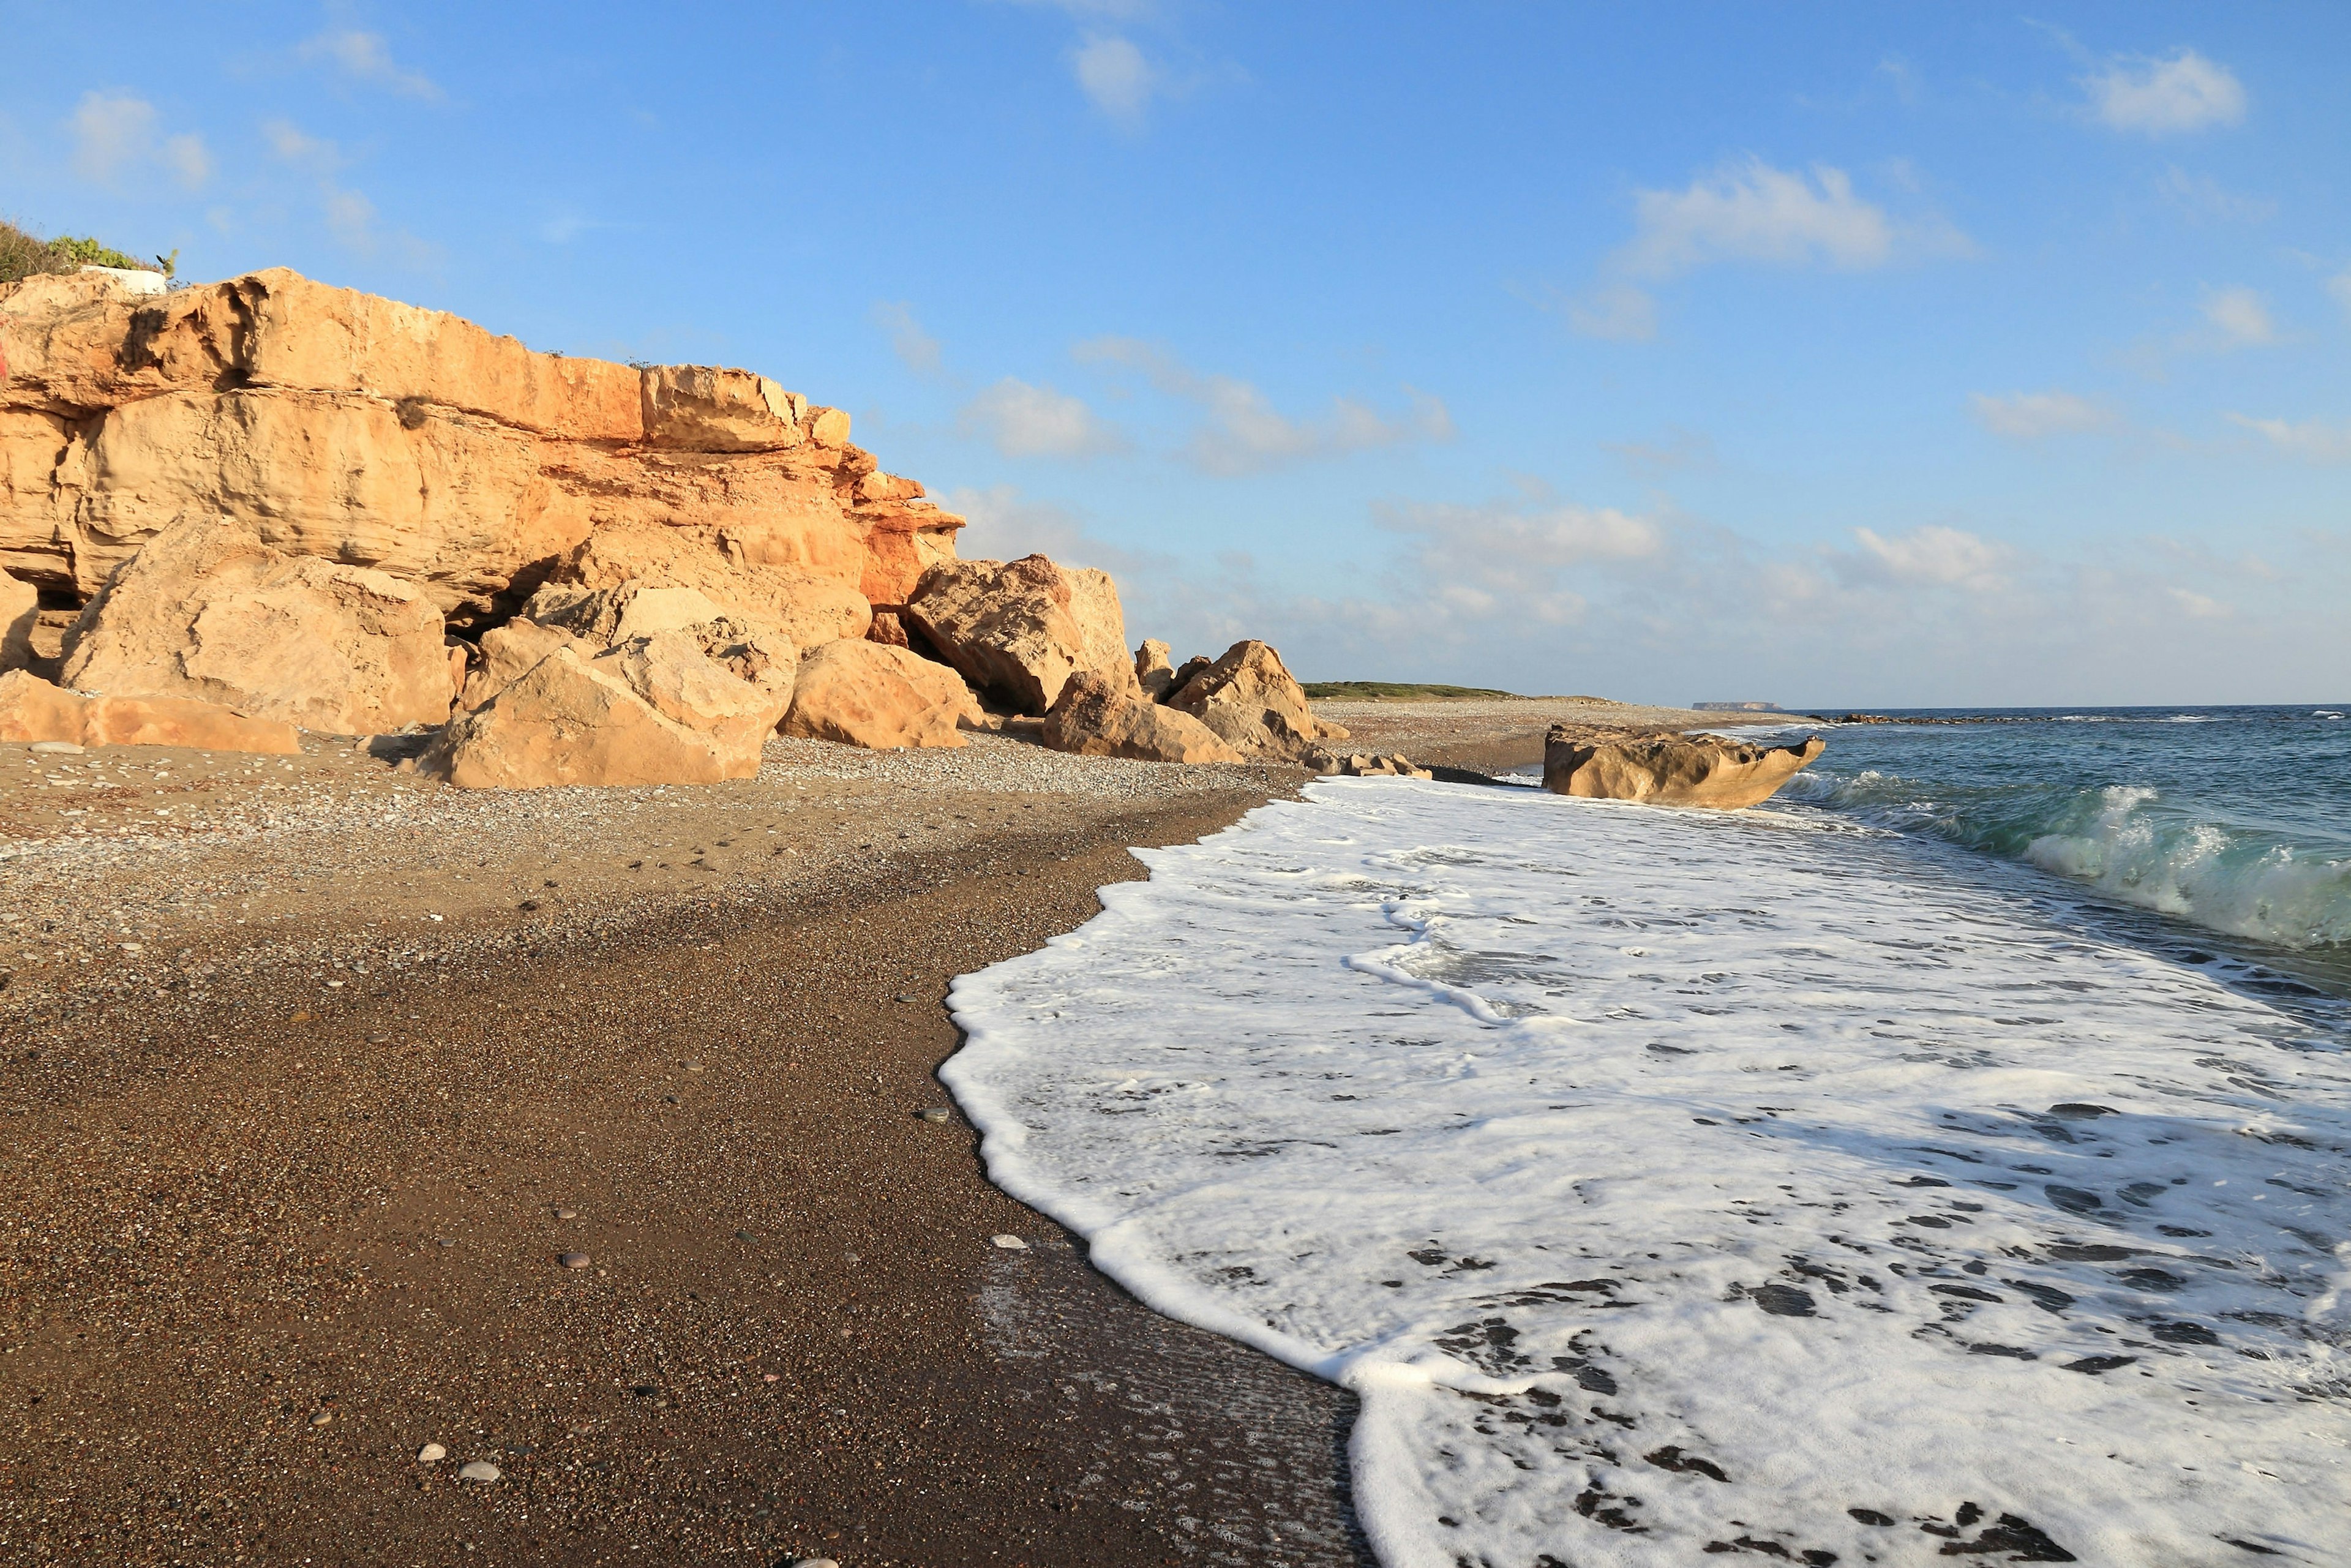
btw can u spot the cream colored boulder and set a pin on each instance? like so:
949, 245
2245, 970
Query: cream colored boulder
611, 616
874, 694
1152, 671
207, 611
1250, 700
1094, 718
1669, 769
506, 653
802, 603
687, 707
20, 608
1368, 765
31, 709
1021, 629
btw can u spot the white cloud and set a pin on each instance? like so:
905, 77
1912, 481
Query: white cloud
2157, 97
1243, 432
1117, 77
1932, 557
2241, 317
915, 348
294, 145
2202, 197
351, 218
1751, 211
1025, 421
1618, 313
366, 57
2314, 440
2028, 417
116, 134
2339, 286
2199, 606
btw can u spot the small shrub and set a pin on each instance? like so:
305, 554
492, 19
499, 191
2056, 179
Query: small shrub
24, 253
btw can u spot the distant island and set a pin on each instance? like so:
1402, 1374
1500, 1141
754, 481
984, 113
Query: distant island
1738, 708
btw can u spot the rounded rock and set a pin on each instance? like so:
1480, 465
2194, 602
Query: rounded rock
1010, 1243
566, 1213
481, 1470
574, 1260
431, 1453
322, 1418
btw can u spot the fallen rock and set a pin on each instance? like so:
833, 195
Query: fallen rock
1250, 700
1668, 769
611, 616
507, 654
686, 706
1020, 629
1367, 765
1093, 718
803, 598
20, 607
1184, 674
207, 611
887, 629
31, 709
874, 694
1153, 673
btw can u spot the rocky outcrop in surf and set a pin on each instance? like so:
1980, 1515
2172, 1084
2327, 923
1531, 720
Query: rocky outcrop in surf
1665, 769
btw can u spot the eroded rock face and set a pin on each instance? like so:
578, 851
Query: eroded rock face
32, 709
1019, 630
1368, 765
1669, 769
371, 433
208, 612
20, 607
1093, 717
672, 709
878, 696
506, 653
1249, 699
609, 616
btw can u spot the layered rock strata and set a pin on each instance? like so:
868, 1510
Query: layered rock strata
377, 434
1666, 768
20, 611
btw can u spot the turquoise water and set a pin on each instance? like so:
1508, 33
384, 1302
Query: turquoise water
2234, 823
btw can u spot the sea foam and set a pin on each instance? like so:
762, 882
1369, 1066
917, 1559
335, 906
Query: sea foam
1671, 1183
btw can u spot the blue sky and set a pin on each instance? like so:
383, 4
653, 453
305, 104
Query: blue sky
1870, 354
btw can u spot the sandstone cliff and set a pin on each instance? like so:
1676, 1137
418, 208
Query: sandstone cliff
377, 434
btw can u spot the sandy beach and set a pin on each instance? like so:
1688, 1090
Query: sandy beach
307, 1056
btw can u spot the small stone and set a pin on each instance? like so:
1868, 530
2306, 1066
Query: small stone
814, 1562
1010, 1243
574, 1260
770, 1377
906, 997
57, 748
566, 1213
745, 1236
431, 1453
934, 1113
323, 1417
481, 1470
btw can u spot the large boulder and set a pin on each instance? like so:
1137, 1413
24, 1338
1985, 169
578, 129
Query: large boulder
31, 709
611, 616
376, 433
1020, 629
805, 603
20, 609
687, 707
506, 653
874, 694
1094, 718
1669, 769
1250, 700
207, 611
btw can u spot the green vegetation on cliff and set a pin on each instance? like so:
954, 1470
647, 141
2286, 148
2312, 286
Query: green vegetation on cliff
23, 254
1394, 691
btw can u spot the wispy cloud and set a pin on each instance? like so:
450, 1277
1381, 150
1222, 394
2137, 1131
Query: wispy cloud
2161, 97
117, 135
349, 215
2239, 318
365, 57
1749, 212
2312, 440
915, 348
2202, 198
2339, 286
1683, 452
1021, 420
1931, 556
2029, 416
1243, 432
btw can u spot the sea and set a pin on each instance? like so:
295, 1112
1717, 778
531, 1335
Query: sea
1947, 1160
